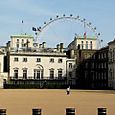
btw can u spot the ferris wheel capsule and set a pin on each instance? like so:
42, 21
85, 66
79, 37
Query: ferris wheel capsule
98, 34
77, 16
44, 22
89, 23
94, 28
57, 16
71, 15
84, 19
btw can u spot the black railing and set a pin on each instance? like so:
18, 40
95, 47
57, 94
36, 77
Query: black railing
45, 82
33, 78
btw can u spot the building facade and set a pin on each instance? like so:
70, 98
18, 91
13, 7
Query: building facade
91, 63
71, 72
3, 74
111, 64
35, 64
81, 65
83, 43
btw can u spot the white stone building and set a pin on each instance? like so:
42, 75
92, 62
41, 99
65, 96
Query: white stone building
29, 62
83, 43
3, 75
111, 64
37, 65
21, 41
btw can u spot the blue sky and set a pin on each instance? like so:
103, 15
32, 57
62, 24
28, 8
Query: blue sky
101, 13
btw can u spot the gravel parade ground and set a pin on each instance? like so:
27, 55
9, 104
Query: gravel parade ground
55, 101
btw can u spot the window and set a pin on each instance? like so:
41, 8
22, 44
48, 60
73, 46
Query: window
51, 60
102, 56
86, 44
52, 73
59, 60
82, 44
22, 42
25, 74
105, 65
91, 45
17, 40
16, 73
99, 56
22, 45
17, 45
70, 65
92, 65
38, 60
70, 74
60, 73
24, 59
16, 59
86, 65
37, 73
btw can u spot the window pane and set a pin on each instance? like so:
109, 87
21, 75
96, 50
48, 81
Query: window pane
52, 60
24, 74
24, 59
51, 74
59, 60
38, 60
59, 74
15, 73
15, 59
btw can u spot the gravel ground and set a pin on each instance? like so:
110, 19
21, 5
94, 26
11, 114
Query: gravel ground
55, 101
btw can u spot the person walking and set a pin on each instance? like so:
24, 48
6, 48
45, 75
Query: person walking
68, 90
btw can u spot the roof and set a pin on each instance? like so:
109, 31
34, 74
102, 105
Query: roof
87, 38
22, 36
111, 42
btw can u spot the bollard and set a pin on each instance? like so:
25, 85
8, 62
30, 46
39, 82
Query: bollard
2, 111
101, 111
70, 111
36, 111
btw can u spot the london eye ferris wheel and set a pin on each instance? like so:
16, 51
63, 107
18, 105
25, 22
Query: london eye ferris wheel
86, 26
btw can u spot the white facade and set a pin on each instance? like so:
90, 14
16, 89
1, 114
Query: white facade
21, 41
111, 65
37, 65
35, 62
83, 43
3, 75
1, 61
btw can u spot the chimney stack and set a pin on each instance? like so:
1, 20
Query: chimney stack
43, 44
61, 47
58, 47
40, 45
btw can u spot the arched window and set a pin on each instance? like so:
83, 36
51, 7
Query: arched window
24, 73
38, 72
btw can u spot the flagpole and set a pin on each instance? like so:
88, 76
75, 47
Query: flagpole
84, 29
22, 31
